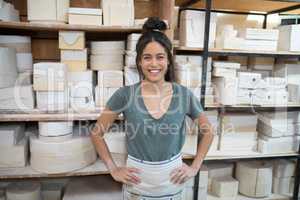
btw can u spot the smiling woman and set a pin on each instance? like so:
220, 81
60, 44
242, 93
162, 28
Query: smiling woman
155, 110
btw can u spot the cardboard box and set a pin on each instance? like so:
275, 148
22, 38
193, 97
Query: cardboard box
192, 28
248, 80
102, 95
8, 67
76, 60
48, 11
107, 62
50, 76
260, 34
118, 12
110, 78
85, 16
226, 90
72, 40
288, 38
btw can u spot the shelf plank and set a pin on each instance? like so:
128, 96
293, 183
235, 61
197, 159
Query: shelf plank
242, 197
36, 115
243, 6
68, 27
252, 106
226, 52
98, 168
227, 155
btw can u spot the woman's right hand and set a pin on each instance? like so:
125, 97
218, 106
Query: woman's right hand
127, 175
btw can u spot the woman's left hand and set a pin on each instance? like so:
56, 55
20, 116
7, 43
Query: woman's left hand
182, 174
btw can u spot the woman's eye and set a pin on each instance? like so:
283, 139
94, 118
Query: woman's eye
147, 58
161, 57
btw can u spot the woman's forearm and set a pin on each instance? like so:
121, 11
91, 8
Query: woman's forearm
97, 136
103, 151
207, 137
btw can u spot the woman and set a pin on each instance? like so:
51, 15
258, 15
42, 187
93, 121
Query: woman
155, 111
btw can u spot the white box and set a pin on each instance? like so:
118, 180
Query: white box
118, 12
275, 82
294, 93
260, 45
238, 122
284, 168
8, 12
17, 98
85, 16
130, 59
8, 67
189, 77
226, 64
225, 187
48, 11
270, 145
76, 60
131, 76
50, 76
224, 72
81, 84
244, 96
192, 28
107, 47
233, 43
22, 44
255, 178
289, 71
72, 40
102, 95
288, 38
24, 62
249, 80
19, 152
52, 100
55, 129
260, 34
226, 90
107, 62
82, 103
11, 134
281, 185
190, 145
116, 142
111, 78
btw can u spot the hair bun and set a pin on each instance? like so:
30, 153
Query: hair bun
154, 23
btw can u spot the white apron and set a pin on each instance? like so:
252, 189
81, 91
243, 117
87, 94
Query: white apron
155, 180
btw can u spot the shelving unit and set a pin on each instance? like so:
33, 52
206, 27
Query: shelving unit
240, 7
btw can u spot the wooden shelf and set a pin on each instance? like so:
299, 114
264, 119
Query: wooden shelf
243, 6
228, 155
253, 106
226, 52
36, 115
68, 27
242, 197
98, 168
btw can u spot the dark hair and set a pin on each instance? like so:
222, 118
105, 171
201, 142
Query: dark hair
152, 31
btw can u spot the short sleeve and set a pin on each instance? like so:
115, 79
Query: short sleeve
118, 101
194, 107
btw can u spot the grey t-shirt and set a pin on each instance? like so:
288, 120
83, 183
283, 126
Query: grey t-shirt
153, 139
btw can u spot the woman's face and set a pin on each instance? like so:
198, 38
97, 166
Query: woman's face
154, 62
